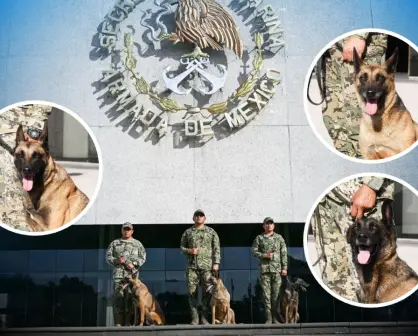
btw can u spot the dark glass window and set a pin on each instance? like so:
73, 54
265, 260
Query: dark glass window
42, 261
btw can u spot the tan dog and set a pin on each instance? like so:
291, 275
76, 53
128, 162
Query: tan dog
52, 198
149, 307
220, 303
386, 127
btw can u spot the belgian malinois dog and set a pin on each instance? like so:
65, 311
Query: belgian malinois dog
289, 301
386, 127
151, 312
383, 275
220, 302
52, 199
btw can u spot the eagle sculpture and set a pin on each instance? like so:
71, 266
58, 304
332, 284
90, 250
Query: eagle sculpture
205, 23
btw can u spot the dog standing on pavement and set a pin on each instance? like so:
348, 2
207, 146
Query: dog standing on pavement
52, 199
220, 302
386, 127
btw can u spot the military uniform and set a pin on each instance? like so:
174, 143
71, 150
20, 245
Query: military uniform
134, 253
330, 222
270, 269
341, 108
12, 211
199, 266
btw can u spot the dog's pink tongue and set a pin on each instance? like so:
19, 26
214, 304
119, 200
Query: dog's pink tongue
371, 107
27, 184
363, 257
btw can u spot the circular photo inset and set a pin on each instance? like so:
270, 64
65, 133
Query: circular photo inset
361, 240
360, 96
50, 170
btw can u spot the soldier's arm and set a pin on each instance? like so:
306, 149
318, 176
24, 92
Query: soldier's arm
138, 259
283, 254
184, 245
383, 186
110, 259
216, 249
255, 249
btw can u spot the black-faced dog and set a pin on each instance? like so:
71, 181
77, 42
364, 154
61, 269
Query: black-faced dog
289, 301
52, 198
383, 275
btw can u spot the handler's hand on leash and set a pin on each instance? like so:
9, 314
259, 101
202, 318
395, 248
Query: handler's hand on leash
363, 199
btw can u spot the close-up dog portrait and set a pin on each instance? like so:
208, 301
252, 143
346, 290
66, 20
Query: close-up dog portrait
47, 179
361, 96
358, 241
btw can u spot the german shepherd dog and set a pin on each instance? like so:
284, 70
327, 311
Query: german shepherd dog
386, 127
289, 301
151, 312
220, 302
52, 199
383, 275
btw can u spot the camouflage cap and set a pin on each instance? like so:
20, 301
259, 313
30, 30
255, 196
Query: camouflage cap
197, 212
268, 220
127, 225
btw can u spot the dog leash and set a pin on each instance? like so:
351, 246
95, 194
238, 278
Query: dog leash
6, 146
320, 74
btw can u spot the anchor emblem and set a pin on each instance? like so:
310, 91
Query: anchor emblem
195, 65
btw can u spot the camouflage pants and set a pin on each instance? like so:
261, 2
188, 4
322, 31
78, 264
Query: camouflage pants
341, 110
330, 222
122, 298
12, 211
270, 286
195, 277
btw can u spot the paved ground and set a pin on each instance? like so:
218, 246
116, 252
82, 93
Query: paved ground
85, 175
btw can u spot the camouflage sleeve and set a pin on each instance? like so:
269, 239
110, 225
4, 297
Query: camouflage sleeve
138, 259
110, 259
283, 253
374, 182
216, 248
184, 247
364, 36
255, 249
387, 190
384, 187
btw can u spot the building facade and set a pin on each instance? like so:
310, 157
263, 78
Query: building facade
272, 166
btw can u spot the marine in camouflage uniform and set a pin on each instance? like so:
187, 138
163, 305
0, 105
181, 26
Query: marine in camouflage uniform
134, 253
199, 265
270, 268
12, 211
330, 222
341, 109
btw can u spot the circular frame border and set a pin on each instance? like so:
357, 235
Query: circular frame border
100, 175
306, 250
306, 103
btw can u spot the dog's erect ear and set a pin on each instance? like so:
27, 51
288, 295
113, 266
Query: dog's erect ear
387, 212
350, 232
43, 138
20, 136
356, 61
392, 62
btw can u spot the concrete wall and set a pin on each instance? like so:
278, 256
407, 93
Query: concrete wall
275, 166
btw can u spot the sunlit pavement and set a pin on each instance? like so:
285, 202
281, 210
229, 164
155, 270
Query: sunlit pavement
85, 175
